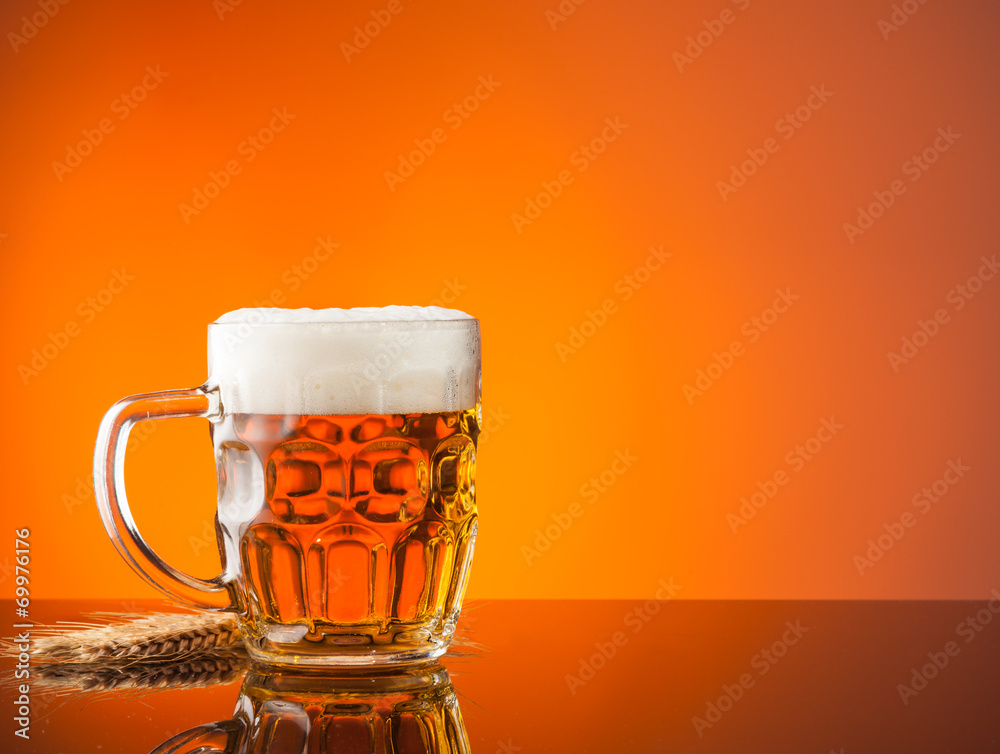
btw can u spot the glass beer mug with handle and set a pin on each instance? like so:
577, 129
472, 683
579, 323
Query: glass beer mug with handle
405, 711
345, 444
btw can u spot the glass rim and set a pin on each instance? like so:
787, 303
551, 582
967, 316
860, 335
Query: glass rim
451, 323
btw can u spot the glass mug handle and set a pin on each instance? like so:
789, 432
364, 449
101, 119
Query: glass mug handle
224, 737
109, 490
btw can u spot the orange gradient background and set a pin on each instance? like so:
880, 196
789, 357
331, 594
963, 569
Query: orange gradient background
558, 419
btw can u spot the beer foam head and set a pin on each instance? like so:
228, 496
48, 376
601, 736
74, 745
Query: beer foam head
391, 360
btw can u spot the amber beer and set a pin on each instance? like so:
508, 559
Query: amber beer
408, 710
363, 535
345, 444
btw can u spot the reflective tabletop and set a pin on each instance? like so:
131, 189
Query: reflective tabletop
551, 676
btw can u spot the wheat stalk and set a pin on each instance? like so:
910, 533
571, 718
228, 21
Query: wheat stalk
123, 638
126, 654
97, 676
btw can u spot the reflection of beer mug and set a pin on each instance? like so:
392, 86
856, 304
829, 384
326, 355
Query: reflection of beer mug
411, 711
345, 443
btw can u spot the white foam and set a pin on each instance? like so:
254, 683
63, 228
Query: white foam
359, 314
396, 359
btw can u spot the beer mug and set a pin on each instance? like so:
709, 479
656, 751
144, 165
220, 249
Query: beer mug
345, 445
411, 711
